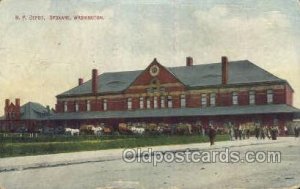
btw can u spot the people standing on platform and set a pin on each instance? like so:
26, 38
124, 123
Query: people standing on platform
297, 131
203, 130
262, 133
257, 132
231, 133
286, 130
268, 132
243, 132
236, 132
212, 134
240, 132
274, 132
248, 132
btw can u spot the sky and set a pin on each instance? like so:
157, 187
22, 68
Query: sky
40, 59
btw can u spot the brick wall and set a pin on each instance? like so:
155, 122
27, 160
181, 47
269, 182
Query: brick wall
282, 95
288, 95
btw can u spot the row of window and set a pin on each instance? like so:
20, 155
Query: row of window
168, 101
11, 115
252, 97
88, 106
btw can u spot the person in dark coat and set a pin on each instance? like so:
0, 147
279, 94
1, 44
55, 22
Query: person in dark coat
212, 135
256, 132
274, 133
236, 133
297, 131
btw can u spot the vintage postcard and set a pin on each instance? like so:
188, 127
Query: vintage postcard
166, 94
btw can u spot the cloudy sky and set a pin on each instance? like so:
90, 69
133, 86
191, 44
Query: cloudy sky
40, 59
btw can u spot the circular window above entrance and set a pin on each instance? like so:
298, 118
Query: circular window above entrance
154, 70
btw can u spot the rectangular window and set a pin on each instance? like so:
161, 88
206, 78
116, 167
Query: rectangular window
182, 101
104, 104
270, 96
234, 98
141, 103
129, 104
203, 100
148, 103
76, 107
212, 100
170, 102
162, 102
88, 105
155, 102
65, 106
252, 97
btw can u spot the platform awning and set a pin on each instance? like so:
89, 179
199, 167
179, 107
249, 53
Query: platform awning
178, 112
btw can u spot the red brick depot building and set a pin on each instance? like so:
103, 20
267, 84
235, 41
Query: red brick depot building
217, 93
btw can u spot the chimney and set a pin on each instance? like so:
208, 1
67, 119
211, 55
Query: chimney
94, 81
48, 109
189, 61
225, 65
80, 81
17, 102
6, 103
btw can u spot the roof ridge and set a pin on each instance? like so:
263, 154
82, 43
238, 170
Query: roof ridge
213, 63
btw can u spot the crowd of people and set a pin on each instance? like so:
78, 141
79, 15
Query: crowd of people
242, 132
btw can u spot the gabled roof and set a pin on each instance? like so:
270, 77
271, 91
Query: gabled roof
179, 112
201, 75
34, 111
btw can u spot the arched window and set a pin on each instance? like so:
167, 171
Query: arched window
234, 98
88, 105
65, 106
129, 103
212, 100
155, 102
203, 100
170, 102
148, 103
76, 107
182, 100
141, 103
162, 102
270, 96
251, 97
104, 104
